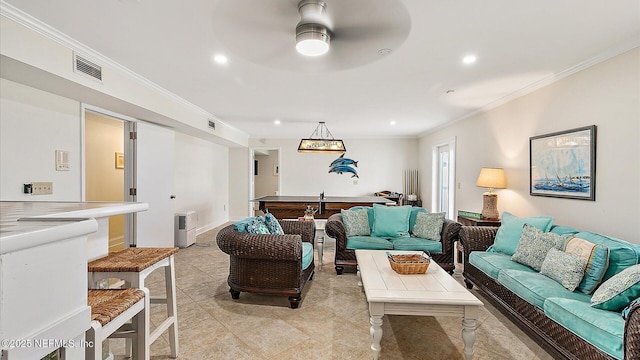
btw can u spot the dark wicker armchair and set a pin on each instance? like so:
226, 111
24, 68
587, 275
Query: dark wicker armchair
268, 264
347, 257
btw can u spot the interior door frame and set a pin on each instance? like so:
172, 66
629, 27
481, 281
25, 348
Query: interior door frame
252, 186
129, 167
435, 171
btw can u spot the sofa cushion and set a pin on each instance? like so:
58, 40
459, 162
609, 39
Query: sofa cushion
368, 243
604, 329
510, 231
564, 267
597, 258
621, 253
535, 288
534, 245
390, 221
414, 214
617, 292
563, 230
413, 243
429, 226
356, 222
491, 263
307, 254
272, 224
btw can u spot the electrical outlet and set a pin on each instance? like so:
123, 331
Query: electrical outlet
42, 188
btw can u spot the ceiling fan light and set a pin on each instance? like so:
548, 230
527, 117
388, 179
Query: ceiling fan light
312, 40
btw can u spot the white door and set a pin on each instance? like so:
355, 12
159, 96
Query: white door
443, 177
152, 177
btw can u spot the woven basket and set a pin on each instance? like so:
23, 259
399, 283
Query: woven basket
406, 264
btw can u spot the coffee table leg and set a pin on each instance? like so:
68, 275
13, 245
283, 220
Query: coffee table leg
468, 337
376, 334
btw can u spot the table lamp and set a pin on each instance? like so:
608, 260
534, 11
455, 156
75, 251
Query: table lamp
492, 178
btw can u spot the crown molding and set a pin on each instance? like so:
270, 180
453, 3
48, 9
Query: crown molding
11, 12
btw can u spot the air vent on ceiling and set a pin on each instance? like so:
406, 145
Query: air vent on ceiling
212, 124
87, 67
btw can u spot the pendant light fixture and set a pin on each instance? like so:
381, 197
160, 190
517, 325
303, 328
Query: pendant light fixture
321, 141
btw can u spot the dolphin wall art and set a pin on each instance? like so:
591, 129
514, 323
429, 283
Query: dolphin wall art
343, 165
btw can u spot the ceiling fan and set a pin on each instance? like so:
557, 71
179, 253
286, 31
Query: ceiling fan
265, 31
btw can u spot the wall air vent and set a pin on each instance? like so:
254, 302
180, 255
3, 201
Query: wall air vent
212, 124
86, 67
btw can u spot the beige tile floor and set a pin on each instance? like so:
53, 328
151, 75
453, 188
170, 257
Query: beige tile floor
331, 323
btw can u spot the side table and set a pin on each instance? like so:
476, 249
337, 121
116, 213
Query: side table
467, 221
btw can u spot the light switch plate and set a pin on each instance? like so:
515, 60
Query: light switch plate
62, 160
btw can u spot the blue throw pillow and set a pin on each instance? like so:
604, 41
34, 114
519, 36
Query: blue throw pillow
241, 225
272, 224
257, 226
390, 221
510, 231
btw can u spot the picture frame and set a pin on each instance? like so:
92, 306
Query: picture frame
119, 160
276, 169
563, 164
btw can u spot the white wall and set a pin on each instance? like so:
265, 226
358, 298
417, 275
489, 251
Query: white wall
33, 125
201, 180
607, 95
380, 166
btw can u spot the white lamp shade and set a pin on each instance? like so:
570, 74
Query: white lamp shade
492, 178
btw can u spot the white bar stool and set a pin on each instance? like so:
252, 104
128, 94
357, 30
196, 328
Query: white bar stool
133, 265
111, 311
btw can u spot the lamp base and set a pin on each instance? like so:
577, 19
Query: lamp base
490, 206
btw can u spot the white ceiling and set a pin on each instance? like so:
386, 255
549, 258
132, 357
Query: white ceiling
520, 45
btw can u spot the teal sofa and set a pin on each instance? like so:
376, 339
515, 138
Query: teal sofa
563, 322
440, 251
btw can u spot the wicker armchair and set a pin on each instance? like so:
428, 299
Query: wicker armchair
268, 264
562, 343
347, 257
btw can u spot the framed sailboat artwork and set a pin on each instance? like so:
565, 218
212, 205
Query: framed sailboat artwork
563, 164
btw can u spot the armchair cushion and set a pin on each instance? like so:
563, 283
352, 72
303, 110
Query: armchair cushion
390, 221
368, 243
307, 255
417, 244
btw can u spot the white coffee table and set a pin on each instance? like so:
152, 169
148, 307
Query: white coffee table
435, 293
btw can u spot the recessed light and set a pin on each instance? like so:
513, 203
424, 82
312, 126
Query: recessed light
221, 59
469, 59
276, 121
392, 122
384, 52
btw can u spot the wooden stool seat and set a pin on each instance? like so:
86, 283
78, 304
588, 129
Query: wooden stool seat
131, 259
118, 313
133, 265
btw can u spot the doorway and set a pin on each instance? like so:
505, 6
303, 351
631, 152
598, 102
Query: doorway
443, 178
265, 175
104, 168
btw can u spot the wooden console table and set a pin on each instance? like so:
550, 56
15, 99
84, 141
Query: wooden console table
292, 207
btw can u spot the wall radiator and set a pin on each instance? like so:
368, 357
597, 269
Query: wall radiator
411, 186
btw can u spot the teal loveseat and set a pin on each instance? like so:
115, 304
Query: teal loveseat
441, 251
562, 321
